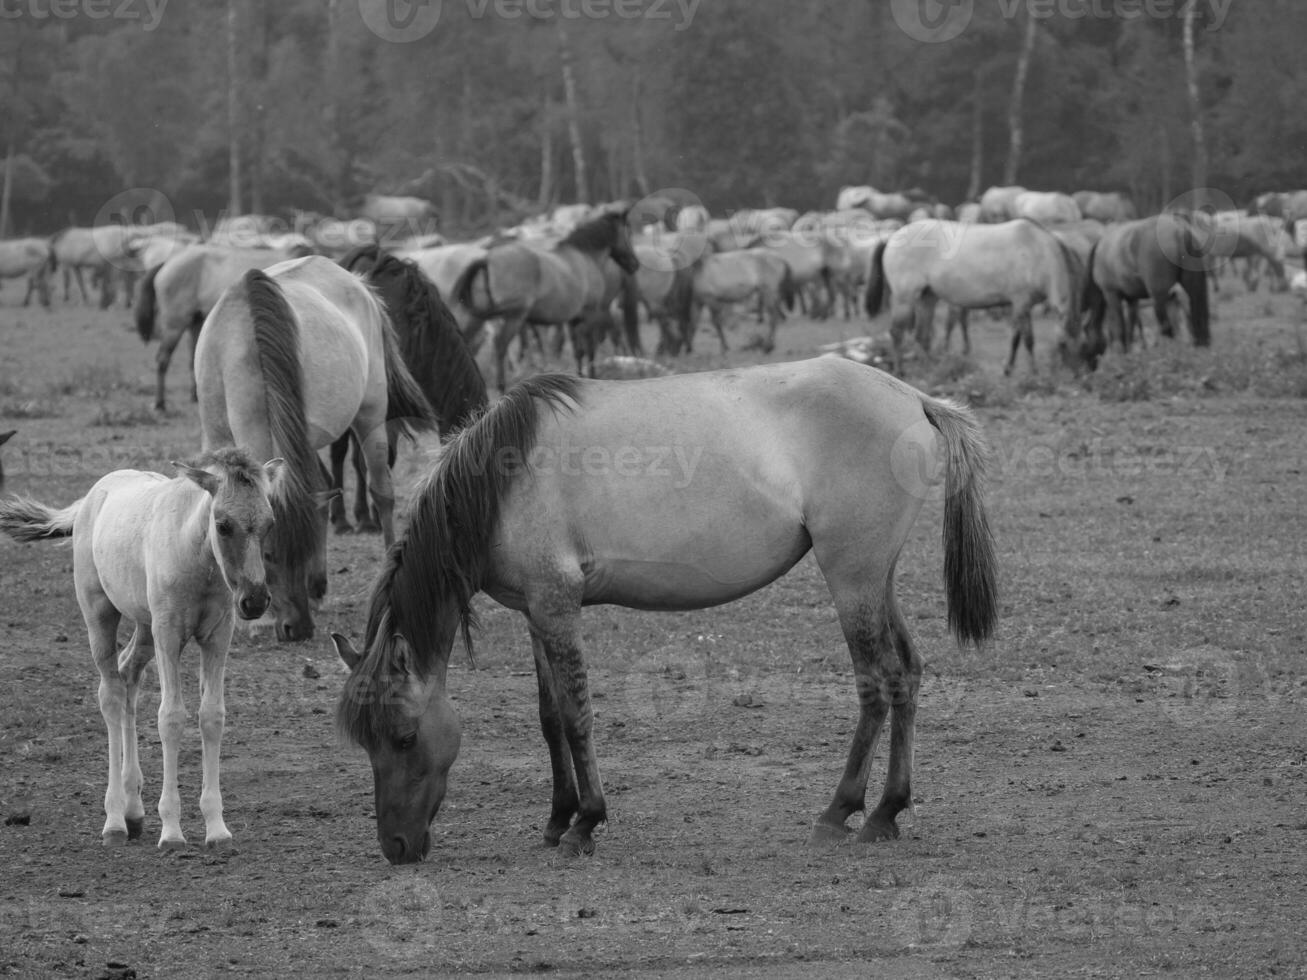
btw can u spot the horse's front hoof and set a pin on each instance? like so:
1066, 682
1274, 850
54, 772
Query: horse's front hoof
220, 844
874, 831
826, 835
369, 527
135, 827
172, 844
114, 838
573, 846
342, 528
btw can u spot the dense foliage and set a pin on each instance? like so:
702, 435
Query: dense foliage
743, 102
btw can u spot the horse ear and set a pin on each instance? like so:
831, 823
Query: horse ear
275, 469
203, 478
6, 436
403, 654
345, 650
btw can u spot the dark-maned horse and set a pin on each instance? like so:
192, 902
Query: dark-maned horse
821, 455
434, 353
523, 283
973, 266
288, 360
1146, 259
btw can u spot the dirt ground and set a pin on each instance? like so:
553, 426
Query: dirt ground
1114, 788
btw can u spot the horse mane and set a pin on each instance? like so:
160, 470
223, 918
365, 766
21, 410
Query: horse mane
276, 337
439, 563
430, 341
596, 235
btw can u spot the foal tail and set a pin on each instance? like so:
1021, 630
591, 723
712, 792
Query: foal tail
24, 519
875, 296
970, 567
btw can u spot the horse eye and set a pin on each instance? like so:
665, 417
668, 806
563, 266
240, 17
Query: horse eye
406, 742
224, 529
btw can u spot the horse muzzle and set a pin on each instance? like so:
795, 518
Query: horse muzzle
253, 604
399, 850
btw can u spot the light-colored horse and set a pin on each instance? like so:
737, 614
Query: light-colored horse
810, 274
664, 282
105, 251
175, 297
1106, 207
521, 283
289, 360
32, 258
1016, 263
176, 557
998, 204
396, 216
822, 455
723, 279
1046, 207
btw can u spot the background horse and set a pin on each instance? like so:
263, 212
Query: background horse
723, 279
174, 556
5, 437
30, 257
434, 352
1142, 259
523, 283
822, 455
174, 298
973, 266
288, 360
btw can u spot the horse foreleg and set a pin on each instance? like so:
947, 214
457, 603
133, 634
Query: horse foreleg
557, 633
902, 318
376, 453
365, 519
213, 714
565, 799
715, 311
172, 719
925, 322
1023, 331
196, 323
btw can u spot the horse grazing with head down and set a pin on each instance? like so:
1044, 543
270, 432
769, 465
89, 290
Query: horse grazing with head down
176, 557
771, 462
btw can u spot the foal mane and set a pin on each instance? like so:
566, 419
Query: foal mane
276, 336
430, 341
439, 563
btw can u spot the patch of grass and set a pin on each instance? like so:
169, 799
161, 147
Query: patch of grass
1176, 368
124, 418
29, 408
97, 381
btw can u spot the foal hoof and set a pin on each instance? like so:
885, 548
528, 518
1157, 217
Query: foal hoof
135, 827
114, 838
826, 836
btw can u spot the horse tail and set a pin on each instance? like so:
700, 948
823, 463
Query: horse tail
1193, 280
407, 406
276, 338
970, 565
463, 289
24, 519
874, 300
147, 305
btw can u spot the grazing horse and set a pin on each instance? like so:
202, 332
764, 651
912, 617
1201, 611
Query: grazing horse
1142, 259
434, 352
1046, 207
30, 257
722, 279
523, 283
664, 283
175, 557
973, 267
103, 250
5, 437
822, 455
1252, 238
1106, 207
289, 359
998, 204
174, 298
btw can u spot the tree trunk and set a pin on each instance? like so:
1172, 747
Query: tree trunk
233, 109
567, 62
637, 135
1016, 130
259, 127
546, 196
1195, 108
977, 138
6, 193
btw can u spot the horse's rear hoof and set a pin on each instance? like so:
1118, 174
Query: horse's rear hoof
874, 831
221, 845
135, 827
825, 835
572, 847
114, 838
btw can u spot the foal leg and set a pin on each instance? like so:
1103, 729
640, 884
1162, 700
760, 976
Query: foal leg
172, 719
565, 801
131, 664
213, 714
102, 631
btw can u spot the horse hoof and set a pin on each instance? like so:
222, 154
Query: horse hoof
172, 844
342, 529
369, 527
135, 827
874, 831
219, 844
573, 846
825, 835
114, 838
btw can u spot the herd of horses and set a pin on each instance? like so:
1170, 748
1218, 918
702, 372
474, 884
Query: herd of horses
296, 354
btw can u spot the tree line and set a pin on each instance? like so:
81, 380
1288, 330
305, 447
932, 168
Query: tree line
249, 106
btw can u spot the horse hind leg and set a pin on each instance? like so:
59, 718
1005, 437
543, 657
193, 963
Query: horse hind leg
102, 621
565, 799
131, 664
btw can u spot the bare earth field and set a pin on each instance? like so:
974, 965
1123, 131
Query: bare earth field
1116, 787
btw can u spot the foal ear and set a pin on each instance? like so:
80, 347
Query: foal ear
203, 478
345, 650
275, 469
